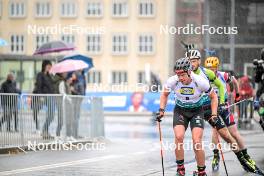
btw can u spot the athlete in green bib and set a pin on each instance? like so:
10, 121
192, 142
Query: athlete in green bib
188, 89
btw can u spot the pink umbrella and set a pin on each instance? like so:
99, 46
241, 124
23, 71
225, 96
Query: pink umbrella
68, 66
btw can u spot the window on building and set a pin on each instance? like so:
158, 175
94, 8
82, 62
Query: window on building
1, 8
68, 8
17, 9
94, 9
119, 77
146, 44
68, 38
146, 8
41, 39
256, 13
142, 77
120, 44
94, 77
17, 44
119, 8
43, 9
94, 43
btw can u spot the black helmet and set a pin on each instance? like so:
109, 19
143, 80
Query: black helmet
183, 64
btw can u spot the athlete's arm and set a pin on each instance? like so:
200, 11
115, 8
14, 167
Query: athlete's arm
213, 96
169, 85
235, 83
205, 87
231, 80
164, 98
163, 101
218, 84
214, 102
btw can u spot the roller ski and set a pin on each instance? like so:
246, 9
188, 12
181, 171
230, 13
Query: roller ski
250, 166
199, 173
259, 172
215, 163
180, 171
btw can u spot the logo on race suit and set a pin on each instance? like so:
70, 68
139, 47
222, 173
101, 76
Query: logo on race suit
221, 121
181, 118
198, 120
187, 91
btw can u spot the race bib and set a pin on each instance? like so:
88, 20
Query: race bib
187, 91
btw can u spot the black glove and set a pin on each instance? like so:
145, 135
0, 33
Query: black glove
256, 105
159, 114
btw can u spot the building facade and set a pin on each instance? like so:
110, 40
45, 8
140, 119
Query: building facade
248, 17
189, 12
122, 36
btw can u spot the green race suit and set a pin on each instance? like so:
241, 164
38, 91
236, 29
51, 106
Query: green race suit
211, 77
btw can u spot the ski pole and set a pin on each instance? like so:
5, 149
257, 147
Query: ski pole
161, 149
222, 155
251, 98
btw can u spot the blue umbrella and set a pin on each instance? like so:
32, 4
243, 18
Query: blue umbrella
76, 56
3, 42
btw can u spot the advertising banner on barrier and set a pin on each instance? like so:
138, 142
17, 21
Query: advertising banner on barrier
133, 101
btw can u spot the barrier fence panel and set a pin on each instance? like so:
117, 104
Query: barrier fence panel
9, 120
41, 118
78, 115
246, 112
97, 117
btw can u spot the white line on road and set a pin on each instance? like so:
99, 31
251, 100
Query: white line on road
154, 149
63, 164
139, 153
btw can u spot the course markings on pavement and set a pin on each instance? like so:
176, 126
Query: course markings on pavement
65, 164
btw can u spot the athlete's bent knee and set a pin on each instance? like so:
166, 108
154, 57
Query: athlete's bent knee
216, 122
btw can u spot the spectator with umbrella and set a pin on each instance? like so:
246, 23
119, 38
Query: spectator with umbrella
43, 85
62, 69
78, 89
81, 73
47, 48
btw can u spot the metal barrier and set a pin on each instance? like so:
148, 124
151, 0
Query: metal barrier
246, 112
48, 118
9, 117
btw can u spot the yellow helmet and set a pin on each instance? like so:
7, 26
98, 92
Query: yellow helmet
211, 62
